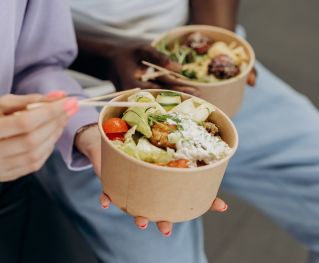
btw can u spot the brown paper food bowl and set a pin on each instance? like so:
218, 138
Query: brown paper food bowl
228, 94
162, 193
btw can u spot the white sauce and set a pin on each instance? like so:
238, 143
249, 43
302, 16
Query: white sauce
196, 144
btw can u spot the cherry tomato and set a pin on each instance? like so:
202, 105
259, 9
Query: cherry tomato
179, 163
115, 125
116, 136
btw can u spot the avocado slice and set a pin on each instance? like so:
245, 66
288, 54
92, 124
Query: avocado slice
137, 116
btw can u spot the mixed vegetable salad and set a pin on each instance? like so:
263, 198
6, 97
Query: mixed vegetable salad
172, 133
205, 60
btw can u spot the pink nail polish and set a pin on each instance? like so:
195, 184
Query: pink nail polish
56, 94
167, 234
69, 104
143, 227
105, 206
72, 111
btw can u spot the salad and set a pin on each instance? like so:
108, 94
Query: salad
172, 133
205, 60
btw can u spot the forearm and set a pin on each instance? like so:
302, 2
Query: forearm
221, 13
104, 47
94, 46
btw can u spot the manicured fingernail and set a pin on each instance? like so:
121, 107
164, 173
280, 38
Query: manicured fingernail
225, 207
167, 234
72, 111
70, 103
105, 206
56, 94
143, 227
70, 106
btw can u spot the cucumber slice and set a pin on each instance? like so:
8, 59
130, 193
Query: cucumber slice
186, 107
169, 94
144, 99
168, 100
142, 96
169, 107
202, 112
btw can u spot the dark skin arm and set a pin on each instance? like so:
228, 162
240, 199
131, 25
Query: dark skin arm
120, 63
222, 13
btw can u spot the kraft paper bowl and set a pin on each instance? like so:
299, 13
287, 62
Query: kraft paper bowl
162, 193
227, 94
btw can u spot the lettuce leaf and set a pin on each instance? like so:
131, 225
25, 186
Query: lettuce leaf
129, 145
152, 154
144, 150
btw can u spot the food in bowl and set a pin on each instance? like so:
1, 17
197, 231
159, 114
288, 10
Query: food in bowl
172, 133
204, 59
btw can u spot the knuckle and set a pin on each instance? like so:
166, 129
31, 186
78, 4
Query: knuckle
30, 141
33, 157
35, 166
23, 124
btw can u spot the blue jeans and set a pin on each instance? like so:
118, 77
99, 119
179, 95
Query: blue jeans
276, 169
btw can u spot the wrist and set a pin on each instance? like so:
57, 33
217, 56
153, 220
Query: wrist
81, 136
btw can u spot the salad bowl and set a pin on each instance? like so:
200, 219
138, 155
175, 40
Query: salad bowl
162, 193
226, 94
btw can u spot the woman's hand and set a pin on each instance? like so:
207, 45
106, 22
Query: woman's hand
89, 143
164, 227
28, 137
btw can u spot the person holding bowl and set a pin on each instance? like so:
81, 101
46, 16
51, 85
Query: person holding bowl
276, 162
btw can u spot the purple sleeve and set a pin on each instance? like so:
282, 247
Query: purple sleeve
46, 46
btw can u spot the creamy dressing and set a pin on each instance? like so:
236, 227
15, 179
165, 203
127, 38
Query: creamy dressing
194, 143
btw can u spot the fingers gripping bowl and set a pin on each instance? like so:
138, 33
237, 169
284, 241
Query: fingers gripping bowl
216, 61
147, 181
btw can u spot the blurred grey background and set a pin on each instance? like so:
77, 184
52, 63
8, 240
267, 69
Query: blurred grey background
285, 37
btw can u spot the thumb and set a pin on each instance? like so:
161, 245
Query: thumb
252, 77
150, 54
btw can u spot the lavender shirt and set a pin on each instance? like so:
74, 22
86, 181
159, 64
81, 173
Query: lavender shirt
37, 44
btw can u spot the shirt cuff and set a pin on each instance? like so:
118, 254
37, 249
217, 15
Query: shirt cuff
75, 160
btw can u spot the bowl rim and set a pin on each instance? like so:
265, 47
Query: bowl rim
106, 140
187, 29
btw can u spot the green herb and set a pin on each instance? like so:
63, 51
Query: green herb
191, 74
177, 52
162, 46
156, 118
